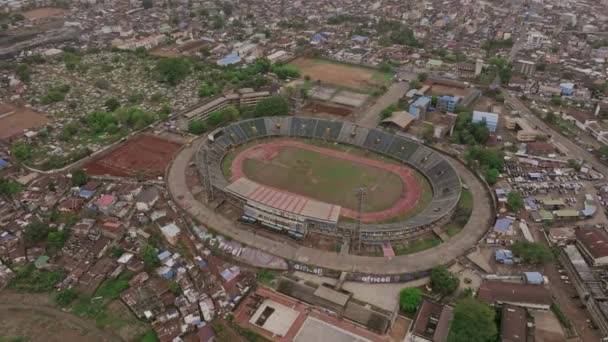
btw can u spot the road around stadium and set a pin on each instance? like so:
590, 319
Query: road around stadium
445, 253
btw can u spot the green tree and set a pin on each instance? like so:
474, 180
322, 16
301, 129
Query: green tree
272, 106
473, 321
409, 299
149, 255
603, 151
197, 127
36, 232
443, 281
172, 70
147, 4
415, 84
112, 104
422, 77
515, 201
532, 252
175, 288
55, 240
491, 176
9, 187
66, 297
79, 178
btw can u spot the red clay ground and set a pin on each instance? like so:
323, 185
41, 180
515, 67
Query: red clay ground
44, 12
407, 200
242, 316
339, 74
143, 155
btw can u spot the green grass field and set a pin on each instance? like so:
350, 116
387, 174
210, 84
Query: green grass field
327, 179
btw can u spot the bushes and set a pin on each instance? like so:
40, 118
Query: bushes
272, 106
532, 252
55, 94
29, 279
197, 127
22, 151
409, 299
172, 70
443, 281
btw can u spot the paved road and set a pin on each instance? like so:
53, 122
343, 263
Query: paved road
425, 260
574, 151
371, 116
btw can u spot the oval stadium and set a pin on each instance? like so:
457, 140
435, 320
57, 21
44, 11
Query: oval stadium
298, 176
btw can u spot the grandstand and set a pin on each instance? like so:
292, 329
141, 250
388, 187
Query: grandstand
444, 180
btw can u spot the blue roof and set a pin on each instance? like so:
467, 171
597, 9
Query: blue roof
534, 277
230, 59
500, 192
317, 38
360, 39
532, 204
3, 163
449, 98
86, 193
164, 255
201, 263
589, 211
422, 101
489, 117
503, 224
503, 254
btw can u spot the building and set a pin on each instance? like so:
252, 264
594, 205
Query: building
419, 108
525, 132
513, 324
567, 89
431, 323
504, 226
491, 119
171, 233
401, 120
447, 103
232, 58
534, 40
593, 243
524, 67
524, 295
282, 211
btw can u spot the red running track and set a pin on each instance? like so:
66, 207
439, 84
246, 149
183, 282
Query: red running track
407, 201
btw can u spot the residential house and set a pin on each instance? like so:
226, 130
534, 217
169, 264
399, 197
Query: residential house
513, 324
431, 324
147, 198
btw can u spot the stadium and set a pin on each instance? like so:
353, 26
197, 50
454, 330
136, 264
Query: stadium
300, 175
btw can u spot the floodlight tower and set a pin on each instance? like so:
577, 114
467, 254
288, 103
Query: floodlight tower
360, 194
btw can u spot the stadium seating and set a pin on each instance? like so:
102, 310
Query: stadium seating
443, 178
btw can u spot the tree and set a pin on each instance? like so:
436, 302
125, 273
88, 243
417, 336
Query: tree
66, 297
22, 151
112, 104
79, 178
473, 321
36, 232
603, 152
443, 281
175, 288
532, 252
9, 187
272, 106
427, 134
491, 176
147, 4
409, 299
149, 255
574, 164
415, 84
515, 201
422, 77
172, 70
197, 127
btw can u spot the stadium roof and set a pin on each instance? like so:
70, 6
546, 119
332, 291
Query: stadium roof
284, 201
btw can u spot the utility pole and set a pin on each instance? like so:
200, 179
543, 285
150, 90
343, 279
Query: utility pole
360, 194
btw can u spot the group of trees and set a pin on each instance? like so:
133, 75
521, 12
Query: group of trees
491, 45
172, 70
443, 283
489, 161
532, 252
515, 201
473, 321
394, 32
468, 132
9, 187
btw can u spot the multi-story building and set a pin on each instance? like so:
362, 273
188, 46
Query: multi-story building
447, 103
419, 108
524, 67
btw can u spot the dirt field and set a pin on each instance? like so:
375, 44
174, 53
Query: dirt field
316, 108
144, 155
14, 120
341, 74
331, 176
44, 12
